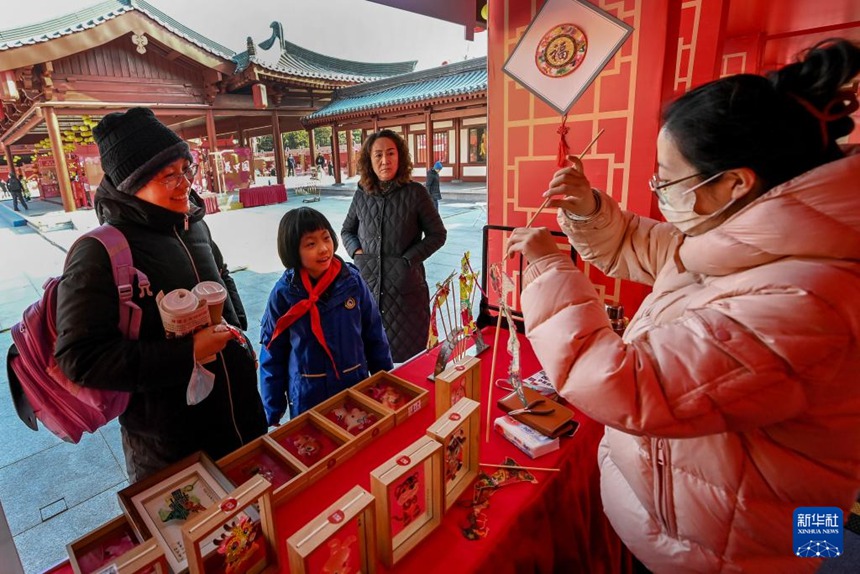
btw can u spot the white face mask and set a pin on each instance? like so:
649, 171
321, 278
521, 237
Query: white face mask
678, 206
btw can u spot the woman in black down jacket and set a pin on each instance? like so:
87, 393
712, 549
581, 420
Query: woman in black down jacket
146, 193
391, 228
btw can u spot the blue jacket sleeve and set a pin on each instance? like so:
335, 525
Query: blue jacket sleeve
274, 360
376, 349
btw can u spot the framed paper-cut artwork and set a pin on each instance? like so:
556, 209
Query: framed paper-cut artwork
102, 546
357, 414
564, 49
395, 394
408, 492
458, 432
341, 539
460, 380
315, 442
236, 535
264, 457
158, 506
145, 558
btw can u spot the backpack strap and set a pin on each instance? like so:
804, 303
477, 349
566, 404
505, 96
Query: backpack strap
124, 273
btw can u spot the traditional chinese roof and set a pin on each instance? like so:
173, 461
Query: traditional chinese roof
282, 57
453, 81
90, 17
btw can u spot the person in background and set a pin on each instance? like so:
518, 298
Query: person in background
320, 161
731, 399
4, 193
433, 184
146, 193
390, 229
291, 165
16, 188
322, 331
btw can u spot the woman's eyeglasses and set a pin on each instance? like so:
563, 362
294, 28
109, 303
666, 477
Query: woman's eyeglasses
658, 185
172, 181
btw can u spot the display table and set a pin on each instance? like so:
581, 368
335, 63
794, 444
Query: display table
556, 525
210, 202
263, 195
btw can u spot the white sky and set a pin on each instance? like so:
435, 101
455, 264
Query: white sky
349, 29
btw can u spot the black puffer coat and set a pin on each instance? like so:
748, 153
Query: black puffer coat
397, 231
91, 350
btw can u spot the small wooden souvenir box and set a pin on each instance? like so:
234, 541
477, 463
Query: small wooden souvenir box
236, 531
408, 492
462, 379
341, 539
265, 457
357, 414
395, 394
314, 442
458, 430
102, 546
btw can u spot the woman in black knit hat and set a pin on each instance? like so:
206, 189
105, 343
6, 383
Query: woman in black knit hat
146, 193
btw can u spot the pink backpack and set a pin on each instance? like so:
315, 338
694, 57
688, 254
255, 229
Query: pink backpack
39, 388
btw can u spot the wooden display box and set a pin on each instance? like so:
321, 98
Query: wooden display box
236, 535
357, 414
314, 442
408, 492
458, 430
340, 539
266, 458
461, 379
158, 506
145, 558
395, 394
92, 552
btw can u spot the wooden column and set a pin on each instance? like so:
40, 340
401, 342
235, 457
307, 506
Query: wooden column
428, 127
212, 137
8, 153
60, 160
280, 161
350, 153
312, 146
457, 167
335, 153
376, 123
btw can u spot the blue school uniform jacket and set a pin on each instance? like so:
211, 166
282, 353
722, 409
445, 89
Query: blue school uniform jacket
296, 369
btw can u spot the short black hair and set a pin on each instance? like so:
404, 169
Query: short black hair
294, 224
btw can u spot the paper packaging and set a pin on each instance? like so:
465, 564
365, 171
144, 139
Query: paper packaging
182, 313
214, 295
525, 438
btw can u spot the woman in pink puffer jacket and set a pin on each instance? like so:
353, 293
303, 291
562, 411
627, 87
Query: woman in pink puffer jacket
732, 398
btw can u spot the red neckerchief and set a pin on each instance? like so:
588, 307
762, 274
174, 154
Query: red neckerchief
310, 304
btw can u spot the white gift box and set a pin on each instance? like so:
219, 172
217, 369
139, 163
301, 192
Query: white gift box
525, 438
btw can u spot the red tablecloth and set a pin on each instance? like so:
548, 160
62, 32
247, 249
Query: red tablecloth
263, 195
210, 202
557, 525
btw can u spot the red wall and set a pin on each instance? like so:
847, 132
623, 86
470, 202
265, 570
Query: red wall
624, 100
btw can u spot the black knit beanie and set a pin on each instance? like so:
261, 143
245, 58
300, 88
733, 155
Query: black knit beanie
134, 146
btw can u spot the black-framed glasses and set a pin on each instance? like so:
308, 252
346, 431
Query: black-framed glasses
172, 181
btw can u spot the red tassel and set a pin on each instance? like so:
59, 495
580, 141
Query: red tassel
563, 148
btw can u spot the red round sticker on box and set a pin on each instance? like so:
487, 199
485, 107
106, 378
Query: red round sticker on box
460, 368
404, 460
228, 505
336, 517
561, 51
454, 416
